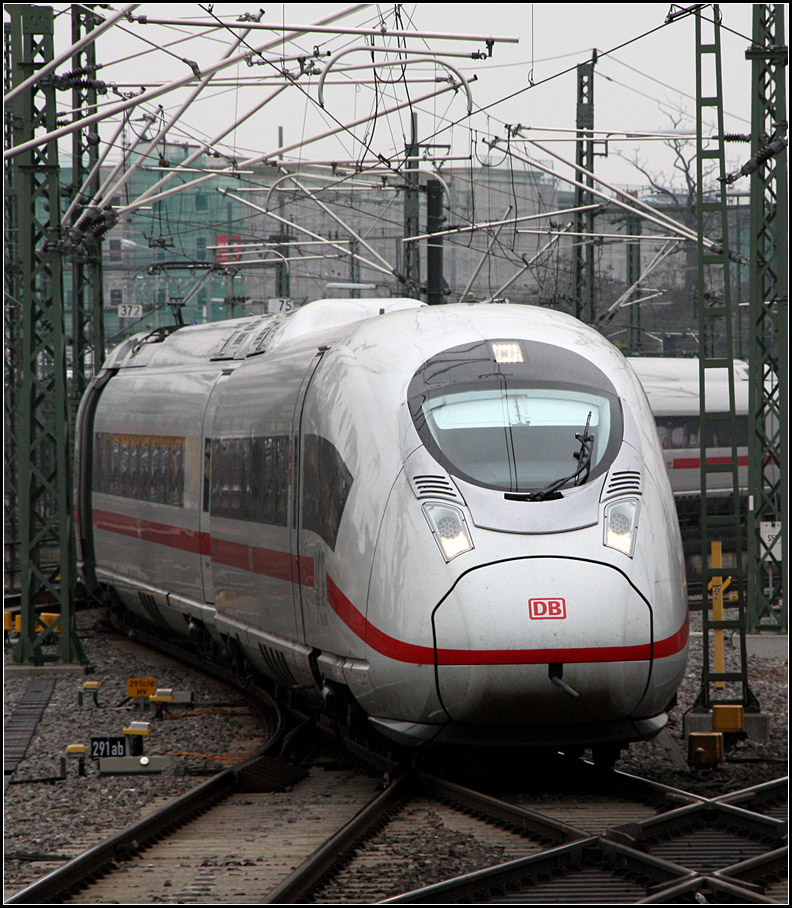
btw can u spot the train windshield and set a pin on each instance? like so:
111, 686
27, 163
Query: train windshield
510, 426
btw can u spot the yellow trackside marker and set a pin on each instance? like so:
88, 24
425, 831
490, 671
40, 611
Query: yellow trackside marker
50, 620
141, 687
705, 748
718, 585
44, 621
727, 718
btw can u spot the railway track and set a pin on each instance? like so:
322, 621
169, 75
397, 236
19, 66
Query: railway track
328, 825
331, 833
21, 725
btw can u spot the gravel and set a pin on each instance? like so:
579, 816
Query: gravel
63, 818
48, 822
748, 762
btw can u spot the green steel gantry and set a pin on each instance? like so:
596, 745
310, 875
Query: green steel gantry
87, 304
40, 423
716, 346
769, 275
584, 220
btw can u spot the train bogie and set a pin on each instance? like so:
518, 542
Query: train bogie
458, 517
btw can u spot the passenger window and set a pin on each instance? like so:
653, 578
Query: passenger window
326, 486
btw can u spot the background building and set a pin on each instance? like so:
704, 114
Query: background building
241, 243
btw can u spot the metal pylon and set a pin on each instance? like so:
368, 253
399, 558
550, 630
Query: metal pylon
584, 220
411, 268
87, 325
12, 329
42, 429
769, 377
716, 346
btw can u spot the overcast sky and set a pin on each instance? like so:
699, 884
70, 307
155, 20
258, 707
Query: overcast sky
645, 85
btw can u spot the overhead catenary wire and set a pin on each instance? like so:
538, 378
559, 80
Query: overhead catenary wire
350, 230
335, 30
108, 192
170, 86
483, 258
316, 236
277, 152
226, 172
56, 61
660, 255
490, 224
634, 206
527, 264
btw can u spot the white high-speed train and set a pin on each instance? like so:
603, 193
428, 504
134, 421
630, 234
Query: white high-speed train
457, 517
672, 386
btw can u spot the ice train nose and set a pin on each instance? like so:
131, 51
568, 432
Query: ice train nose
579, 621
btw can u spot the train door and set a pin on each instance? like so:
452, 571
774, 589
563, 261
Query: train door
206, 490
308, 563
84, 469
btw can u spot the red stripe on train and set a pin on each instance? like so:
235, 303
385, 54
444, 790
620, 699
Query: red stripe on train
277, 564
149, 531
693, 463
268, 562
397, 649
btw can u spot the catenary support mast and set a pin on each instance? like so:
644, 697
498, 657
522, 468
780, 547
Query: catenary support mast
42, 426
769, 355
716, 344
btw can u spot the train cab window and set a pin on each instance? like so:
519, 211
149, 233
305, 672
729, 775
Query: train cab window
496, 415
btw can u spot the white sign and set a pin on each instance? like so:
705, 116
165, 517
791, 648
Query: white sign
279, 305
130, 310
769, 531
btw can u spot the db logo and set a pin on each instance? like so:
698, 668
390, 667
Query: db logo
547, 608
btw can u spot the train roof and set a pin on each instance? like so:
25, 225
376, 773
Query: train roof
672, 385
329, 320
242, 337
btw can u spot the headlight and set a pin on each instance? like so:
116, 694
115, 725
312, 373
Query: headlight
449, 528
621, 525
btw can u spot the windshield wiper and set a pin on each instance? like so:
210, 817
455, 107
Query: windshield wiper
583, 457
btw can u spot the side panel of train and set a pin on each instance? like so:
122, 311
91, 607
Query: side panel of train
194, 504
679, 439
672, 387
147, 488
